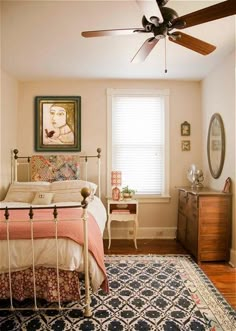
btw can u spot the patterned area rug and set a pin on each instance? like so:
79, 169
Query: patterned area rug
150, 292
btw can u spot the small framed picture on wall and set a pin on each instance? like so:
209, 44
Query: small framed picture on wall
185, 129
185, 145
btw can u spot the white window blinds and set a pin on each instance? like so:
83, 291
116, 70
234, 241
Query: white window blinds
138, 141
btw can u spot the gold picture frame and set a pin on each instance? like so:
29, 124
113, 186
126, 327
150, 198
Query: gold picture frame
58, 123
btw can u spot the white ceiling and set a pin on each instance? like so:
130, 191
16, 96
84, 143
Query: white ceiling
41, 39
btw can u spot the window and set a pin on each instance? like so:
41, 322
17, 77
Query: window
138, 143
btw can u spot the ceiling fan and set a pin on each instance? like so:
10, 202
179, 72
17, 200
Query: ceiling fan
167, 20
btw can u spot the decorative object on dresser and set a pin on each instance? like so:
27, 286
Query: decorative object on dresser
185, 129
227, 185
58, 123
122, 211
116, 181
204, 223
216, 145
195, 176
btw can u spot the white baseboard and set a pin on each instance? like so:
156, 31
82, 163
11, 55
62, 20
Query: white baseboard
143, 233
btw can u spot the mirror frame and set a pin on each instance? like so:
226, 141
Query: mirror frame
216, 145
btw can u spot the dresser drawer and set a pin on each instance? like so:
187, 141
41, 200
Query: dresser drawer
187, 201
213, 207
182, 200
213, 243
213, 229
213, 256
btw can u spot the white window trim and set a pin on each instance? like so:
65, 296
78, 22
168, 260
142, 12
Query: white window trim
165, 92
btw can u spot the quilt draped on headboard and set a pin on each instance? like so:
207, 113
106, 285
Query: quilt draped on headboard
54, 167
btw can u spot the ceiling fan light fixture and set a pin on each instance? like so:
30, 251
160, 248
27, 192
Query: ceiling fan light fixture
177, 25
155, 20
175, 36
146, 24
162, 3
160, 36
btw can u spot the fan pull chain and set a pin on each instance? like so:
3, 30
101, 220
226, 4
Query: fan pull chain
165, 58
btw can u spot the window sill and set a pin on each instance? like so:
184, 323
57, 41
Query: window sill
153, 198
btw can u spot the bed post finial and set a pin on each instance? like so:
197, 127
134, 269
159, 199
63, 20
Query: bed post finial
99, 150
85, 192
31, 213
6, 214
15, 151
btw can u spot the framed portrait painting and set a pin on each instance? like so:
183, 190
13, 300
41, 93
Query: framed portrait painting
58, 123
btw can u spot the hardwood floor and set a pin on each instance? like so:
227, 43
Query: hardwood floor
221, 274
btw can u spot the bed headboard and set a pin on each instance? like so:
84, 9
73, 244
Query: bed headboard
56, 167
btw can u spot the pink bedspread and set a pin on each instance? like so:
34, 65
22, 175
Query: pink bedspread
69, 226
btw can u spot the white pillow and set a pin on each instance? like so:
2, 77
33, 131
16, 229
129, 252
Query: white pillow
31, 184
73, 184
69, 190
25, 191
42, 198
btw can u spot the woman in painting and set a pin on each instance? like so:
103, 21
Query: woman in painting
62, 121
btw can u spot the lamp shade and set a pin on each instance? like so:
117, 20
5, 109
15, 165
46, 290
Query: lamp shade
116, 178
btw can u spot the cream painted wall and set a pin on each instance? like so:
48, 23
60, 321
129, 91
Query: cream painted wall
8, 120
218, 96
185, 105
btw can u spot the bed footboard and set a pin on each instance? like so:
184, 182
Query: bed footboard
32, 223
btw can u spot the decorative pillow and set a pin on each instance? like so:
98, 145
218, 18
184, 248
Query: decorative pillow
42, 198
19, 196
25, 191
69, 191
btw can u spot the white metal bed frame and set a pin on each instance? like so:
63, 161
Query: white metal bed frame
85, 194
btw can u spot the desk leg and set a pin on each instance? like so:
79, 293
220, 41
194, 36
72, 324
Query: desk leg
135, 232
109, 232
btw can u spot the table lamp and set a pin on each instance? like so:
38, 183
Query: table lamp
116, 181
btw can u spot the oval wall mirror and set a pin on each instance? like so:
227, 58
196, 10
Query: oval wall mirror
216, 145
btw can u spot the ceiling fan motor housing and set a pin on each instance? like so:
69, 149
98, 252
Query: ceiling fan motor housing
160, 31
169, 15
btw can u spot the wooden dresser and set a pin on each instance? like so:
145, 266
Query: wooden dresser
204, 223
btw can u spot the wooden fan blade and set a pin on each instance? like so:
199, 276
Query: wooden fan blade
150, 8
192, 43
215, 12
113, 32
144, 50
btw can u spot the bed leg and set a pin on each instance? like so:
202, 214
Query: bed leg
87, 311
